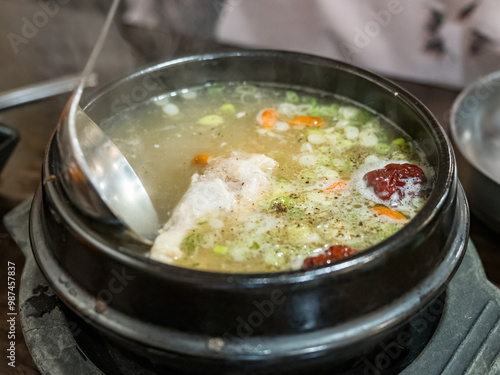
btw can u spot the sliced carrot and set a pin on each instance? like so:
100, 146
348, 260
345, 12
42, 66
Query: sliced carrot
389, 213
200, 159
309, 121
337, 186
268, 117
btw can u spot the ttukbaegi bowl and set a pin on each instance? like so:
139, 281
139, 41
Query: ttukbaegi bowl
205, 322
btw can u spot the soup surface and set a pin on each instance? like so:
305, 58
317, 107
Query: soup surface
260, 178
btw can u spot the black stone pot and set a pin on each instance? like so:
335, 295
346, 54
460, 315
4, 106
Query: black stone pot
202, 322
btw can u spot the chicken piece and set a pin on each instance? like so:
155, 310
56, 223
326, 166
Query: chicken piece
202, 197
245, 175
227, 184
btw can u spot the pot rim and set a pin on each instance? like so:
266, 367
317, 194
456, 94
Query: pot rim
445, 176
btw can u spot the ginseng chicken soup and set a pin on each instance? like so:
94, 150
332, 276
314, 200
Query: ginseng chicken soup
261, 178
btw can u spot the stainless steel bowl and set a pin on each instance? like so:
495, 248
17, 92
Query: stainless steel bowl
475, 130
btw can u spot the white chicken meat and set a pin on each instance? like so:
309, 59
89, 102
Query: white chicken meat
227, 184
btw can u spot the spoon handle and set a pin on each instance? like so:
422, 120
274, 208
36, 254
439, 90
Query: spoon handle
43, 90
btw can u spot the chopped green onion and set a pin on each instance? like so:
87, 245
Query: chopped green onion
338, 164
215, 90
386, 230
220, 250
334, 108
382, 136
325, 111
203, 223
344, 143
211, 120
347, 164
193, 241
292, 97
282, 180
246, 89
315, 111
355, 114
315, 131
401, 145
255, 246
355, 216
364, 116
308, 177
296, 213
325, 160
227, 109
349, 113
373, 124
309, 100
331, 111
382, 148
273, 259
299, 233
398, 142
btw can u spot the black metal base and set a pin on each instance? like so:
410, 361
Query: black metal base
458, 336
389, 358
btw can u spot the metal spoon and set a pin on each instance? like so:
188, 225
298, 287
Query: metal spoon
37, 91
96, 176
100, 181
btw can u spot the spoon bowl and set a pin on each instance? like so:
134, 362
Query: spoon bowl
99, 180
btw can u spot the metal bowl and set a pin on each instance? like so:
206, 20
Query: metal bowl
475, 131
276, 323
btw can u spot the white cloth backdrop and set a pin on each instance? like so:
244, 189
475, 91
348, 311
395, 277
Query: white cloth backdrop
447, 42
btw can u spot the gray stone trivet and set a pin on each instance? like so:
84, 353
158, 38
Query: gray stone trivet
466, 342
